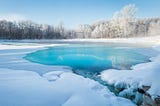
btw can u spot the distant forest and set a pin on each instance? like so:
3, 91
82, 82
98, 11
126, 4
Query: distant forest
123, 24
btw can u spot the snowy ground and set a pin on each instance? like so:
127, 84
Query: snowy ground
21, 85
27, 88
145, 74
143, 41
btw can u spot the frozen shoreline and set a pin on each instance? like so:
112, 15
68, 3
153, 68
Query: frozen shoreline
150, 40
58, 86
12, 54
144, 76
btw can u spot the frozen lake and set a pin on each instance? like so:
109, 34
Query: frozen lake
32, 66
87, 59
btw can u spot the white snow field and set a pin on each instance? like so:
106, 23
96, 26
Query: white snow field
23, 83
27, 88
20, 85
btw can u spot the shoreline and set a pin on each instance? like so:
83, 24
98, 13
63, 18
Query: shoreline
135, 42
32, 45
46, 85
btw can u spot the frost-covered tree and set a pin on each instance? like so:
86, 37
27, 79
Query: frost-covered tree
101, 31
123, 24
117, 26
60, 28
29, 30
84, 31
128, 12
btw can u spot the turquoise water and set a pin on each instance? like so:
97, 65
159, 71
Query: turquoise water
88, 59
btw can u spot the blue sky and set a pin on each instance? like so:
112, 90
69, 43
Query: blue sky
73, 12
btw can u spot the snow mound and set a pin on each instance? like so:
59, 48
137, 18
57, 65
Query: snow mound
126, 82
27, 88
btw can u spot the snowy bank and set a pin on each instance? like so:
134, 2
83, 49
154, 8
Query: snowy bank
145, 41
27, 88
142, 77
23, 83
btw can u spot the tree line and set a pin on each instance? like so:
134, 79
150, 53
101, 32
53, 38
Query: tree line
123, 24
29, 30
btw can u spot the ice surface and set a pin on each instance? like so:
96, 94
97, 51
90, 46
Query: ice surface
22, 85
29, 84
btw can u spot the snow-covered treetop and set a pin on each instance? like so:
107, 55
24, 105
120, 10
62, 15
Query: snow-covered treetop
127, 12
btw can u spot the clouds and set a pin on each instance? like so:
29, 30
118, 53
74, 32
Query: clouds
13, 17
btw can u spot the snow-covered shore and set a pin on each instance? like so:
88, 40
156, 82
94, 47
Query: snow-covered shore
27, 88
20, 84
127, 82
23, 83
143, 77
145, 41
